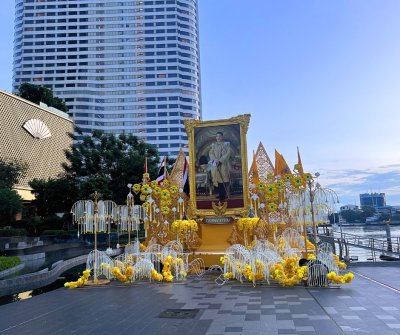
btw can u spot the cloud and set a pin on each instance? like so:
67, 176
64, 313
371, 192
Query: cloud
350, 183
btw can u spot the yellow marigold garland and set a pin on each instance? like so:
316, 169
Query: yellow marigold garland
247, 224
167, 268
116, 272
337, 279
311, 257
136, 188
310, 245
80, 282
341, 265
156, 276
228, 275
181, 227
288, 273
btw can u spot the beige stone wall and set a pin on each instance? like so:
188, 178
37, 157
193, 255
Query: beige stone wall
44, 156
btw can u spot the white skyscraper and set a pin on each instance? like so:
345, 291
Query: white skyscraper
121, 66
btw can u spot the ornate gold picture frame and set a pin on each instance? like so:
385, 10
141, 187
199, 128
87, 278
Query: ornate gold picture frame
218, 170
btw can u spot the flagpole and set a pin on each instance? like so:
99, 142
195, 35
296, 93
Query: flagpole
145, 181
165, 167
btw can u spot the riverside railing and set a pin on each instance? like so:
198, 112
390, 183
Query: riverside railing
389, 247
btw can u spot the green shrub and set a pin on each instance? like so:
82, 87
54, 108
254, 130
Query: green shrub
53, 222
13, 232
34, 225
7, 262
55, 232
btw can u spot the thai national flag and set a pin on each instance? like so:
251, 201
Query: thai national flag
162, 172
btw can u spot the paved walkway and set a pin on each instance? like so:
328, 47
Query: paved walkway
364, 307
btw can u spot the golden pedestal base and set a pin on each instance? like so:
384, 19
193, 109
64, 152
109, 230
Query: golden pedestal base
214, 239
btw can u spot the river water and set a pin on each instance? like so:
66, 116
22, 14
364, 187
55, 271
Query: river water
374, 231
368, 231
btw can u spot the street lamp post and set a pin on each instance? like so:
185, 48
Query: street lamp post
311, 205
91, 217
130, 204
129, 217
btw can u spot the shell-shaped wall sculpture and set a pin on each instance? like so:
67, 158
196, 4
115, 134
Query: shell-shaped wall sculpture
37, 128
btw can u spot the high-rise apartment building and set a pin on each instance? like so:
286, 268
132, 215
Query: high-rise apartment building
121, 66
373, 199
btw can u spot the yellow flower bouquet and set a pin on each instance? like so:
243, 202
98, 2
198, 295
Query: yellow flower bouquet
247, 224
181, 227
337, 279
80, 282
288, 273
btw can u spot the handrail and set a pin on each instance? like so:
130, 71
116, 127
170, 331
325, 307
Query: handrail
391, 246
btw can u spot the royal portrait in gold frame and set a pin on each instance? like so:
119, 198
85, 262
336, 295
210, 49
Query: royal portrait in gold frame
218, 170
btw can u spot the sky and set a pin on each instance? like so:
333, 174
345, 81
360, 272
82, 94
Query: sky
323, 76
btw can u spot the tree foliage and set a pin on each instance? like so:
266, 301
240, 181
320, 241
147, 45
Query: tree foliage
54, 195
10, 205
333, 218
359, 215
351, 216
385, 217
105, 163
37, 94
367, 211
11, 170
102, 163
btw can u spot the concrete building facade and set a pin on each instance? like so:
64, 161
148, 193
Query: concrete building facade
121, 66
35, 135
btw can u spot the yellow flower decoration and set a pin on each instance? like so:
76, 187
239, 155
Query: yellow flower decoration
80, 282
270, 176
260, 186
173, 189
157, 191
145, 205
142, 197
287, 177
165, 183
307, 177
272, 207
311, 256
182, 226
297, 181
288, 273
165, 210
336, 279
136, 187
279, 184
165, 194
229, 275
146, 189
154, 183
270, 188
156, 276
116, 272
247, 224
340, 264
146, 175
